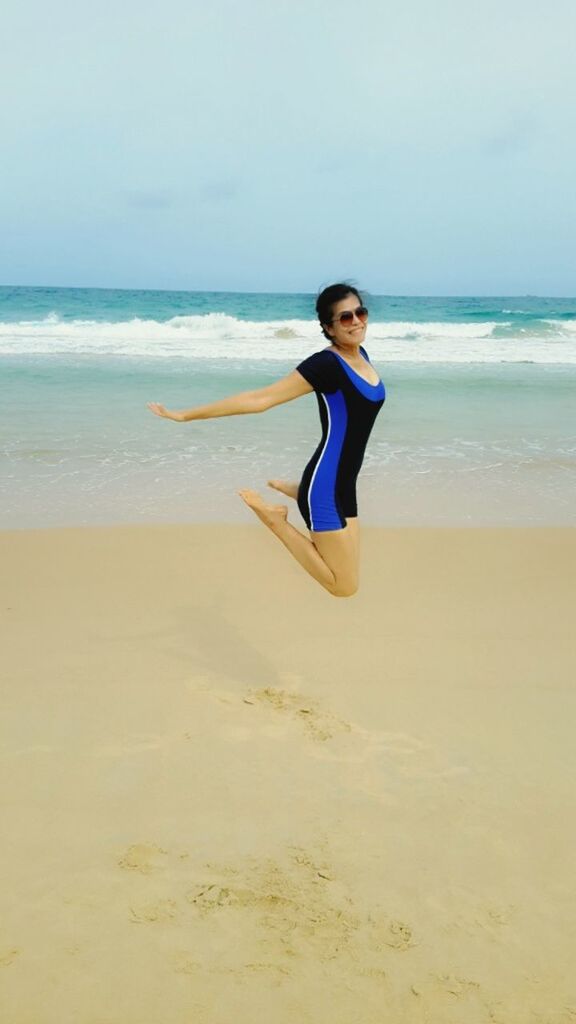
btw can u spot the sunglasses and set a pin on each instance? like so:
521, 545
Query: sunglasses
361, 313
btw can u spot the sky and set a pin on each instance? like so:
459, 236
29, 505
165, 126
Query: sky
416, 148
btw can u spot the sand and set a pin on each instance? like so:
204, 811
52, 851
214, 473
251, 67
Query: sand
229, 797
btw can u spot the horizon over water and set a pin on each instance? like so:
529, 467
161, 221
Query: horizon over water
479, 425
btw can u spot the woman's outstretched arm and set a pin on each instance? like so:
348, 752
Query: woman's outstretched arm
283, 390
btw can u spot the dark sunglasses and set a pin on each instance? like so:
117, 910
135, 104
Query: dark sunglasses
348, 316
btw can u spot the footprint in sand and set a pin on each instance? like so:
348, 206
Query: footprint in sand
398, 936
207, 897
386, 932
293, 908
143, 858
161, 910
317, 723
455, 986
398, 753
164, 872
264, 913
445, 984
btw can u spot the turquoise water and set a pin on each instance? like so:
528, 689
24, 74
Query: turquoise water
479, 425
104, 304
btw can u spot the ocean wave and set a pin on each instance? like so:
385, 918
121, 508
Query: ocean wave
220, 336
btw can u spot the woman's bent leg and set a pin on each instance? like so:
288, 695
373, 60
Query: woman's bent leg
339, 550
330, 556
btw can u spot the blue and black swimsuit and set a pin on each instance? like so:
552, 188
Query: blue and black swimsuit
348, 407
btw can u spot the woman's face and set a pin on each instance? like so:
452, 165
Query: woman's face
347, 333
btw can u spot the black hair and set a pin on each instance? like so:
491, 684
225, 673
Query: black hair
328, 298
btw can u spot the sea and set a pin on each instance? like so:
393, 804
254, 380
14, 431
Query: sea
478, 427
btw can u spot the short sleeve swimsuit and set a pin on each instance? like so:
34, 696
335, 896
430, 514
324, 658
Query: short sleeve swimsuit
348, 407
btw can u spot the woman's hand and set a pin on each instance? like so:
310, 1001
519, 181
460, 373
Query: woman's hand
159, 410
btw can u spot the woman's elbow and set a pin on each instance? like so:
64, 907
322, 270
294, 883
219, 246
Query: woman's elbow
260, 401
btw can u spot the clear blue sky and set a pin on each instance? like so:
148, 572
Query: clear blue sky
417, 147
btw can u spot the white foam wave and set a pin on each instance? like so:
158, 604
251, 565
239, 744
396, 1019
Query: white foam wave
217, 335
569, 326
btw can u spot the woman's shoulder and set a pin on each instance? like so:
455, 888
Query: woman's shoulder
320, 352
319, 369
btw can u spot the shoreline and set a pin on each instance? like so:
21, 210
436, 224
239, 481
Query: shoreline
212, 525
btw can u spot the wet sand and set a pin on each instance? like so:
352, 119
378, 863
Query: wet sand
228, 796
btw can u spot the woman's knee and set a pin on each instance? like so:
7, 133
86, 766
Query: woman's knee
344, 589
339, 553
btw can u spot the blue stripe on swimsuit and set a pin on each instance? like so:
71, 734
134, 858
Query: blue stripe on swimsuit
348, 406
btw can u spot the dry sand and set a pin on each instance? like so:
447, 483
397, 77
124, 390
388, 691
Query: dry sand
231, 798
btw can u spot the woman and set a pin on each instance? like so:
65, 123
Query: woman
350, 395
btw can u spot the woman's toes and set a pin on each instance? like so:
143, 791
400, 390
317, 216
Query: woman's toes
269, 514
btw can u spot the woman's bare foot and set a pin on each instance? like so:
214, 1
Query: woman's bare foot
271, 515
286, 488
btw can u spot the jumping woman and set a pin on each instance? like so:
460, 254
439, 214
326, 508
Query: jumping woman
350, 395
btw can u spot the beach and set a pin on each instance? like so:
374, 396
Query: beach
249, 272
229, 796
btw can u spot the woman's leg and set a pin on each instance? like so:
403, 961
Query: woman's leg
352, 523
286, 487
330, 556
